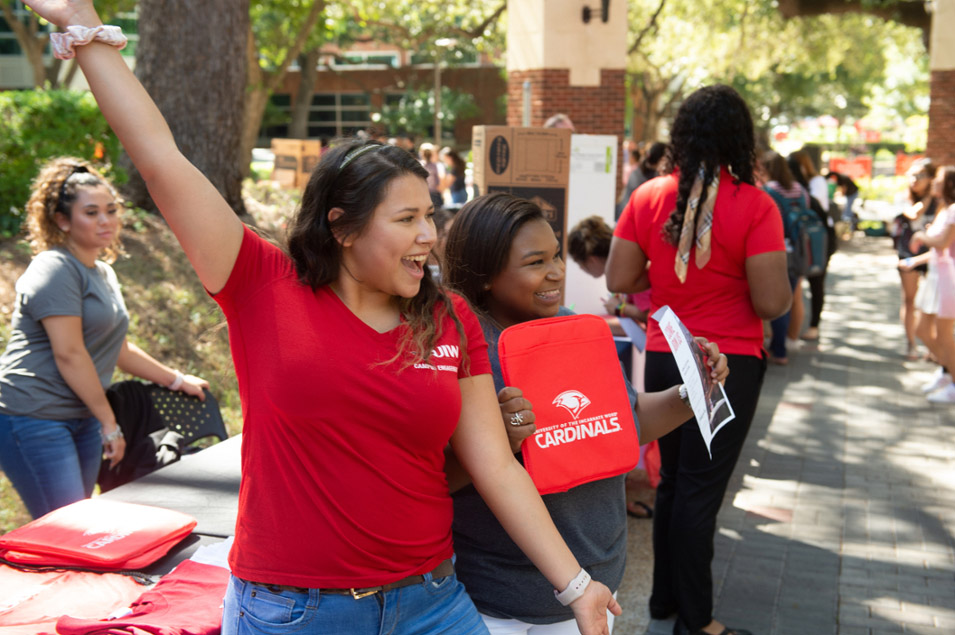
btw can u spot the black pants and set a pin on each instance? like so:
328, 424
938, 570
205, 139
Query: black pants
817, 293
691, 491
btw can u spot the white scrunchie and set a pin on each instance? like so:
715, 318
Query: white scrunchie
65, 43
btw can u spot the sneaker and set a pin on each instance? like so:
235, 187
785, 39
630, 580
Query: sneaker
939, 380
943, 395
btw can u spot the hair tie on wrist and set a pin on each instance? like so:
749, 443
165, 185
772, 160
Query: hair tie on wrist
177, 382
64, 43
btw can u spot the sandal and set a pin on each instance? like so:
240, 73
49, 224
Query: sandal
645, 512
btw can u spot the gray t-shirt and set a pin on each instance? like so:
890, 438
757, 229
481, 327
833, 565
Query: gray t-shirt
592, 519
57, 284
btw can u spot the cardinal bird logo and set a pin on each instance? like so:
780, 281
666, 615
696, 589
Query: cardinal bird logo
573, 401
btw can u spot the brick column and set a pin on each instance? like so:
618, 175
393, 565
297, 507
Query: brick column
941, 112
593, 109
941, 118
574, 67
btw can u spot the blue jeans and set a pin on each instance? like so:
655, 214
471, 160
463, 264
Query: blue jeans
432, 607
780, 327
847, 214
50, 463
459, 196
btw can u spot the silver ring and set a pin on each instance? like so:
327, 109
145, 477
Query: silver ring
517, 419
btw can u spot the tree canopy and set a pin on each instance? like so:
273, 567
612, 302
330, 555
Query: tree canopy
785, 68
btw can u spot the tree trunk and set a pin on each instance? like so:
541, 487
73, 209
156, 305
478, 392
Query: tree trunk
303, 98
189, 63
256, 98
29, 40
261, 84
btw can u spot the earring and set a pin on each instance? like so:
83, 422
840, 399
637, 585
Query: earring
487, 286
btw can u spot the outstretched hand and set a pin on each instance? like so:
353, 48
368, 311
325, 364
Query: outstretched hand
64, 13
590, 610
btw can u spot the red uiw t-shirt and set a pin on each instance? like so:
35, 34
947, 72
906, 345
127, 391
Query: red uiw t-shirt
714, 301
342, 456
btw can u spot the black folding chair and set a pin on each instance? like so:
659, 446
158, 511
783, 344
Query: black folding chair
159, 425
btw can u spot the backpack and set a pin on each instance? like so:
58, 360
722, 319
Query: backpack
807, 240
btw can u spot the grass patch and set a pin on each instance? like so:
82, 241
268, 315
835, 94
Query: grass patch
171, 315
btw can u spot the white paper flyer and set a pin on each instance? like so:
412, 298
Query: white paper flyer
637, 335
711, 407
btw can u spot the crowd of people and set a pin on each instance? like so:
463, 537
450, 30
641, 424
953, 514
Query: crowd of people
412, 505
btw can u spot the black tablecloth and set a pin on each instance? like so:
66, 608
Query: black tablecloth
204, 485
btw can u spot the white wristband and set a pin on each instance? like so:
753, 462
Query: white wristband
65, 43
574, 590
177, 382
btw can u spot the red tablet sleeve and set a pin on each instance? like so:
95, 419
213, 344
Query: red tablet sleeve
99, 534
568, 368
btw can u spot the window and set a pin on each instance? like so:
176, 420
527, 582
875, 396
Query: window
449, 57
8, 40
330, 115
365, 59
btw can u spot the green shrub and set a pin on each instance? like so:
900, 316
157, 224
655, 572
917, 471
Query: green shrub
39, 125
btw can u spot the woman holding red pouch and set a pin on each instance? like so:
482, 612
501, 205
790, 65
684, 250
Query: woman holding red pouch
504, 258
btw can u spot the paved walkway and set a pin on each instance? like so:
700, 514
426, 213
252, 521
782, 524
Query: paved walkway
840, 517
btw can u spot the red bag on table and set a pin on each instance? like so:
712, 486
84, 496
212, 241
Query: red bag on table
99, 534
568, 368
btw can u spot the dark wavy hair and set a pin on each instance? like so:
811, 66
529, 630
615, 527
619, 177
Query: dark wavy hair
948, 183
650, 164
713, 127
355, 176
589, 237
479, 243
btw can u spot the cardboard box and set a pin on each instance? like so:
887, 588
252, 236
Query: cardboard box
294, 161
533, 163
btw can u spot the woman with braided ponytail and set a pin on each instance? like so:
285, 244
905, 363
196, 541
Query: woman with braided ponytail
716, 244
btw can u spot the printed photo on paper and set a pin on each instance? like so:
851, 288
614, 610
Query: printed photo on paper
711, 406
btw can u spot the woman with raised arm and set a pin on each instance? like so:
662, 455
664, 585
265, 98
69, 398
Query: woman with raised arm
716, 244
68, 335
352, 367
504, 258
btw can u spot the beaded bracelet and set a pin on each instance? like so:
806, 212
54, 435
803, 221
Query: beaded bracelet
64, 43
112, 436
